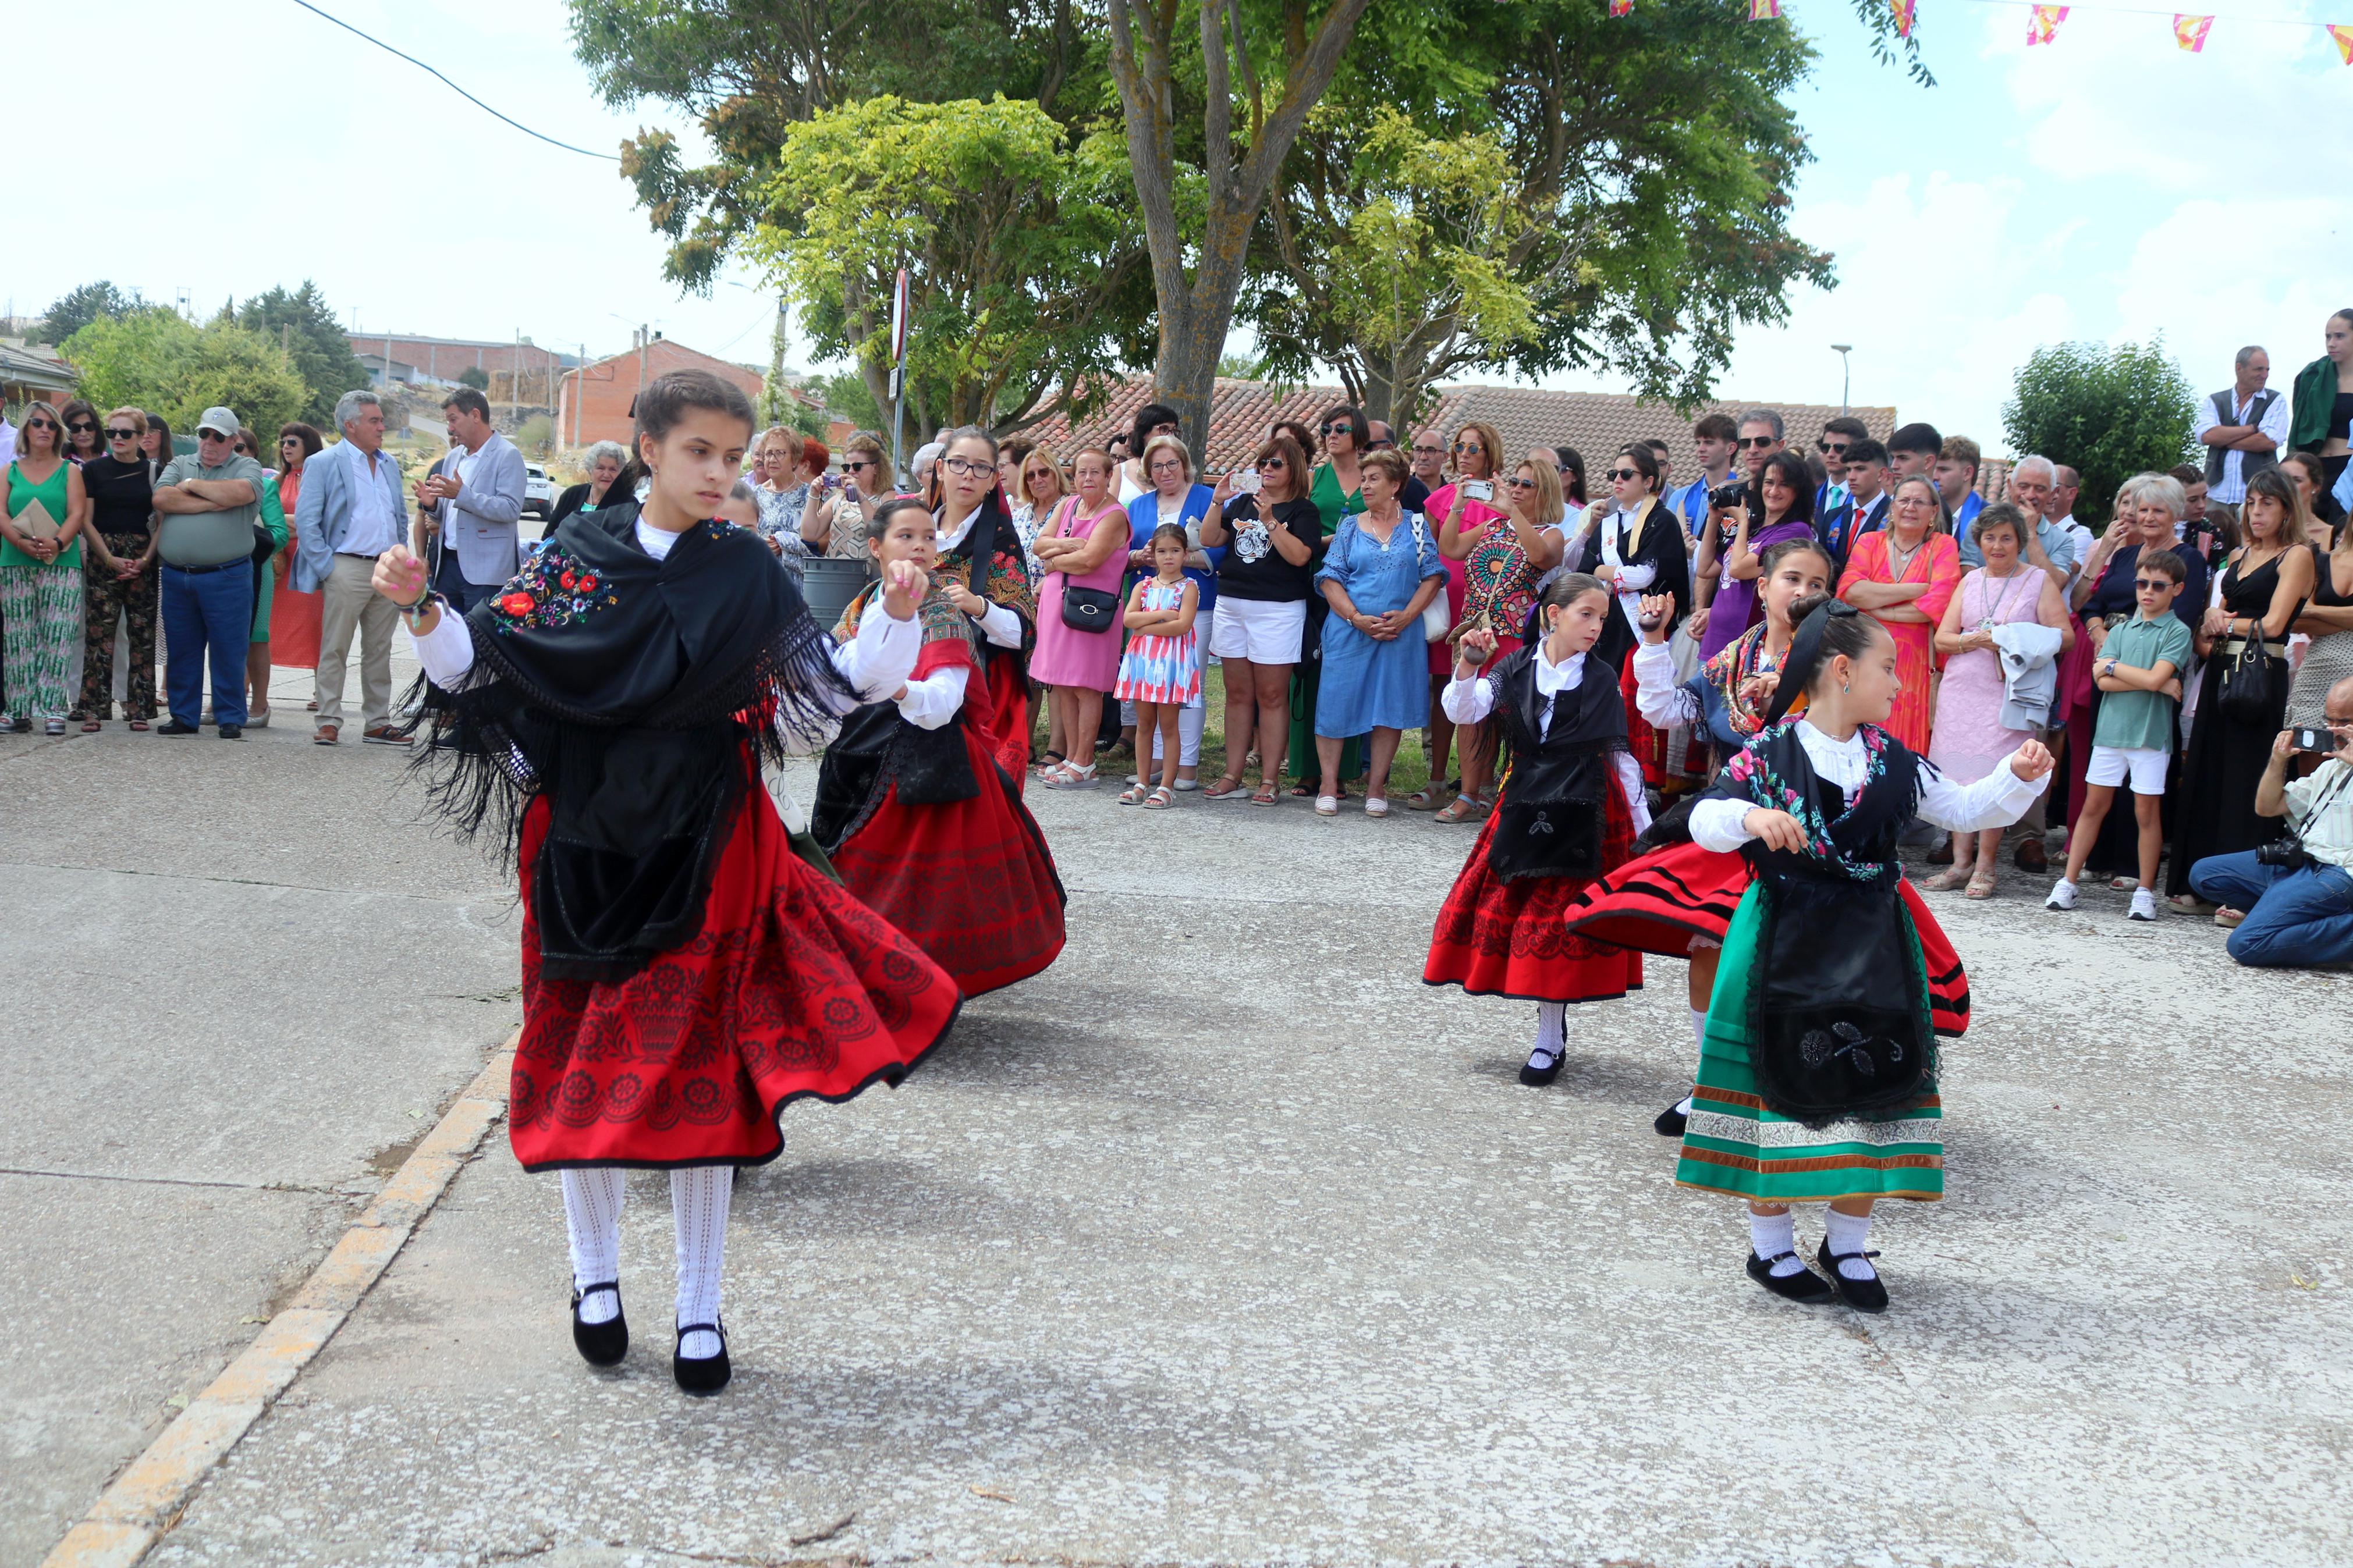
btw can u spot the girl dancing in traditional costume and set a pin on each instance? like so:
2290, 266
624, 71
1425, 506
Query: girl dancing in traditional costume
915, 803
684, 974
1677, 899
1817, 1073
1567, 813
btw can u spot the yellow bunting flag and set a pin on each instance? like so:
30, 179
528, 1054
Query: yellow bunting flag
1906, 10
2343, 36
1764, 10
2043, 24
2190, 32
1621, 7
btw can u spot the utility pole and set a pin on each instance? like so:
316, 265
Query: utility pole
645, 341
1845, 377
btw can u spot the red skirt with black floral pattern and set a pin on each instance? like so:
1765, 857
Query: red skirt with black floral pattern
793, 987
1506, 939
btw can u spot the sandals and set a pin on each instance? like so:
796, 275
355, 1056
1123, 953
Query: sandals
1952, 876
1224, 789
138, 723
1266, 795
1161, 797
1133, 795
1053, 759
1428, 797
92, 726
1981, 887
1465, 808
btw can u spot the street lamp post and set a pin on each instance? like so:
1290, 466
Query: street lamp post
1845, 378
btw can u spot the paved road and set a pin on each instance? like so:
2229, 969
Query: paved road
242, 983
1227, 1241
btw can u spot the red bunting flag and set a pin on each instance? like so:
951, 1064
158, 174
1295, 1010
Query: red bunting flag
1764, 10
1906, 10
2043, 24
1621, 7
2190, 32
2343, 36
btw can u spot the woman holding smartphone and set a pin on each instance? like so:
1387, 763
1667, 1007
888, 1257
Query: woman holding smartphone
1272, 534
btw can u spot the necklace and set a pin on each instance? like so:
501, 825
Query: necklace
1899, 560
1991, 615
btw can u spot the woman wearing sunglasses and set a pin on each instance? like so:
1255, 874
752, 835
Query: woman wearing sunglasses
1274, 543
84, 441
294, 614
120, 581
40, 572
1465, 512
1337, 491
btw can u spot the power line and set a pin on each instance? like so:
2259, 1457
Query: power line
453, 87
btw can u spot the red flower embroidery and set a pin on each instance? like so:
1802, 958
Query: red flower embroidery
565, 579
588, 584
516, 603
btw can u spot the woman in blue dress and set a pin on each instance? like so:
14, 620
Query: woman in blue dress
1381, 569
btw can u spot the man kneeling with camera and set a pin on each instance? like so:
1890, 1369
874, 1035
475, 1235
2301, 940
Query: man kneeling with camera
2297, 889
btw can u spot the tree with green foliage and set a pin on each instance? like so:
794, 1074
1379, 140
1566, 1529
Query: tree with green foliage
474, 376
305, 325
1016, 245
156, 358
847, 398
99, 301
2109, 412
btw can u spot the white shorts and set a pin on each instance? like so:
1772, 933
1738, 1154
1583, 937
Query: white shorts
1259, 630
2110, 764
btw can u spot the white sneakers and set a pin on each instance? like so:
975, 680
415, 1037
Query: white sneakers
2063, 896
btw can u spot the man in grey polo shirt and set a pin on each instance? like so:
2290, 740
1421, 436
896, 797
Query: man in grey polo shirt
209, 504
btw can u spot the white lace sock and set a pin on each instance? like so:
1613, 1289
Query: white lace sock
1699, 1029
1771, 1235
698, 1207
1552, 1033
591, 1216
1847, 1233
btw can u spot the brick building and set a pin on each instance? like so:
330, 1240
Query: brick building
441, 359
593, 401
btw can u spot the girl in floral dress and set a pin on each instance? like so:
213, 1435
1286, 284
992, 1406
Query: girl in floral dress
1161, 670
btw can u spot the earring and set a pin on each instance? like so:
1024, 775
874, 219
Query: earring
1844, 688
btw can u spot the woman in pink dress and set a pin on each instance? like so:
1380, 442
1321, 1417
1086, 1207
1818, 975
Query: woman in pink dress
1903, 575
1970, 741
1467, 507
1083, 545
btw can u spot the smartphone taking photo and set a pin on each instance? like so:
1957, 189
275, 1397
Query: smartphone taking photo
1246, 482
2323, 742
1479, 489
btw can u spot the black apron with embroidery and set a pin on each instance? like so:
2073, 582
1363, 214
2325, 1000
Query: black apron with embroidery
1548, 823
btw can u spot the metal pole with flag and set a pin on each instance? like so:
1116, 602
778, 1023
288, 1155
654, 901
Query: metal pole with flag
898, 369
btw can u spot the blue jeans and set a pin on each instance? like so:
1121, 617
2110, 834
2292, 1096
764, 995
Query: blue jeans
205, 610
2295, 919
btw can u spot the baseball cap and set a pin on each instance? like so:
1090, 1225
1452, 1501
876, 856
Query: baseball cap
221, 421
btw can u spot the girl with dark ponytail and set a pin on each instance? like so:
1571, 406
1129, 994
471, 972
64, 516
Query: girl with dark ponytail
1568, 812
1817, 1078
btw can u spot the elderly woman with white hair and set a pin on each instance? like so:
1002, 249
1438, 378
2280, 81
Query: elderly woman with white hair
606, 461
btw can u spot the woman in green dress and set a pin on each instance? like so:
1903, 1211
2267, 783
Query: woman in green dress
265, 582
41, 573
1338, 493
1818, 1068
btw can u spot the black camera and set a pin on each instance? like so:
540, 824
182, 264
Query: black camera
2286, 852
1726, 494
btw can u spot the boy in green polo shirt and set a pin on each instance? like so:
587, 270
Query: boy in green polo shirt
2140, 671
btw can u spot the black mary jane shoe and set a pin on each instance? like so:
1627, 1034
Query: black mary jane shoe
1863, 1295
1805, 1284
703, 1376
1671, 1122
1536, 1076
605, 1344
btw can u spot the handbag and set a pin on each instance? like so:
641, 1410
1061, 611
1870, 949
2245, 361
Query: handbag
1437, 616
2255, 683
34, 521
1089, 609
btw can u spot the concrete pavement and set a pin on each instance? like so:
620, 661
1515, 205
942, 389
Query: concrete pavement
1227, 1241
245, 982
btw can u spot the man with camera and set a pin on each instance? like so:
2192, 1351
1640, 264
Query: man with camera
2297, 890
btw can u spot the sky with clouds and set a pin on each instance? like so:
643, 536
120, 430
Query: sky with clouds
2110, 186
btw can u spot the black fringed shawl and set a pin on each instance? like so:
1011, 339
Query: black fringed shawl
628, 690
1548, 823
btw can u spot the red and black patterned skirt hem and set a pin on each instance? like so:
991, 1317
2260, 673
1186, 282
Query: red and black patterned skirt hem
1495, 938
1659, 902
793, 987
970, 882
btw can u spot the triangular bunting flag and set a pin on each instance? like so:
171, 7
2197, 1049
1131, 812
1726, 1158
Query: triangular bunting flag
2190, 32
1905, 12
1764, 10
2043, 26
2343, 36
1621, 7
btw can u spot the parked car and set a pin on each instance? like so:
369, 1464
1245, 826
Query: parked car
538, 492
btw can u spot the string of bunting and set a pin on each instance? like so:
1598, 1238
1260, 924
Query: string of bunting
2042, 22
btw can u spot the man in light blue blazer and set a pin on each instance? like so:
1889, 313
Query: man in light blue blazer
350, 512
470, 506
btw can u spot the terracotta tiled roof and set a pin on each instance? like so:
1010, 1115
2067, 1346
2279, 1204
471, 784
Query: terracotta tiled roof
1596, 423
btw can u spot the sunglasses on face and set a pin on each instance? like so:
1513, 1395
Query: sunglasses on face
1834, 448
38, 424
240, 449
82, 427
120, 435
1471, 447
291, 441
857, 463
1041, 473
1747, 441
2152, 584
1518, 483
1625, 474
1343, 428
1272, 463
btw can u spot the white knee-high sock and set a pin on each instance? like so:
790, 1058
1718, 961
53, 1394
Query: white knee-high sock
1552, 1035
1847, 1233
1699, 1029
698, 1206
591, 1216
